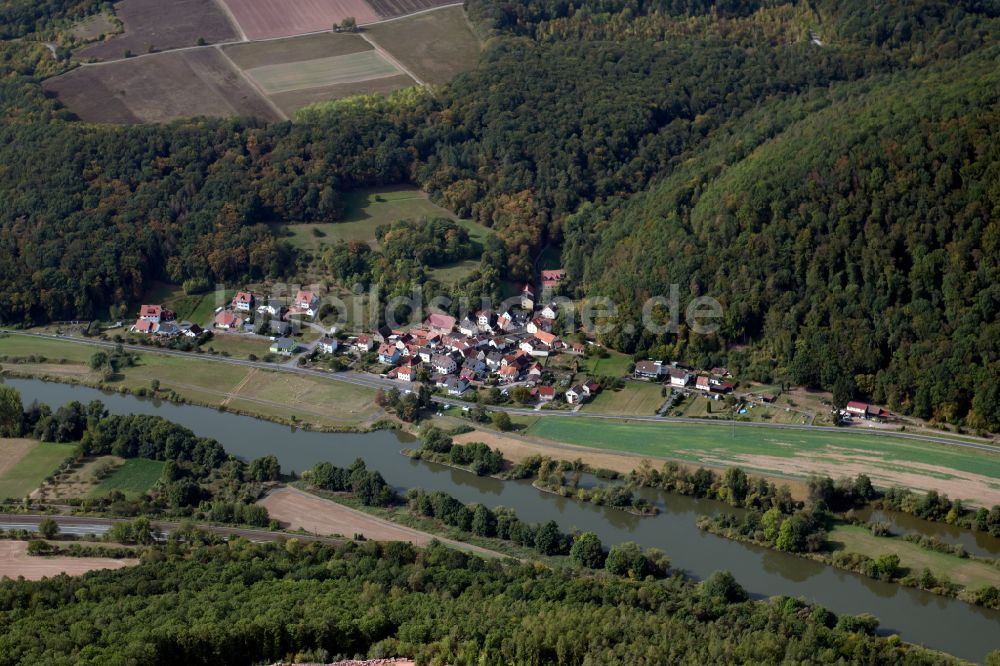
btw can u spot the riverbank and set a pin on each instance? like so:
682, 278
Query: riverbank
892, 559
293, 400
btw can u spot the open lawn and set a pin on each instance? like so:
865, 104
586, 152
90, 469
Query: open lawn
134, 478
960, 472
177, 84
615, 365
21, 346
635, 398
163, 25
452, 273
31, 465
970, 573
318, 72
435, 45
239, 346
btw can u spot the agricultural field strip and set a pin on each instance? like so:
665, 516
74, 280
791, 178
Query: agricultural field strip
392, 60
333, 70
254, 85
246, 40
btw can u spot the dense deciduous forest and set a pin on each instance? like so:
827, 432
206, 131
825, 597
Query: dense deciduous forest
826, 170
240, 603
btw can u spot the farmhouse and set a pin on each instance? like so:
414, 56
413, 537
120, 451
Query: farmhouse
440, 323
243, 301
145, 326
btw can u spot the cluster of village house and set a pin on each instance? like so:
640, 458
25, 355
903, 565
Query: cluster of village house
680, 377
158, 320
456, 355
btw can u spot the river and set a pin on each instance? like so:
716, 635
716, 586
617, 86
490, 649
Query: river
919, 617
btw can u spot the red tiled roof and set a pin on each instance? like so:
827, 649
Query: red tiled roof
150, 311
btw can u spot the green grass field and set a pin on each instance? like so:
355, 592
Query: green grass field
639, 399
327, 71
961, 472
29, 472
134, 477
616, 365
857, 539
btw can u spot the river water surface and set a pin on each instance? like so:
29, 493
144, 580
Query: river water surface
919, 617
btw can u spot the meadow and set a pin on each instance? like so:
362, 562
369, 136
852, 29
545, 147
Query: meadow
639, 399
34, 462
134, 477
960, 472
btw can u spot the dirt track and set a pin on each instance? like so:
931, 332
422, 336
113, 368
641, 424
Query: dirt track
15, 561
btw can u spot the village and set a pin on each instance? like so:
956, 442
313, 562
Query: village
515, 351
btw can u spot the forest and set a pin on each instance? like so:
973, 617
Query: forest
826, 170
239, 603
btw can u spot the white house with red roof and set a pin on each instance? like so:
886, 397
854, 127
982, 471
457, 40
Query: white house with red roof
243, 301
153, 313
145, 326
227, 320
306, 302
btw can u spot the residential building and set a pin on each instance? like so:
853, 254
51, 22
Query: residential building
444, 364
327, 345
363, 344
528, 298
227, 319
457, 386
441, 323
549, 312
145, 326
576, 395
151, 313
273, 307
243, 301
552, 278
283, 346
679, 377
306, 302
544, 393
650, 369
468, 327
388, 353
702, 384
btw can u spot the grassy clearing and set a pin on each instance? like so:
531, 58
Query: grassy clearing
635, 398
31, 469
22, 346
239, 346
615, 365
455, 272
970, 573
365, 210
134, 478
435, 46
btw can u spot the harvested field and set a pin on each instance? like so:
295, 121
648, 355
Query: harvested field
434, 46
335, 70
297, 509
180, 84
290, 102
393, 8
249, 55
15, 561
163, 25
264, 19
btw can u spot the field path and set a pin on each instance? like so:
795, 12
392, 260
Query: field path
239, 387
232, 19
388, 56
253, 84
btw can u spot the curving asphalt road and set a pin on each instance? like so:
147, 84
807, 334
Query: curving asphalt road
373, 381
